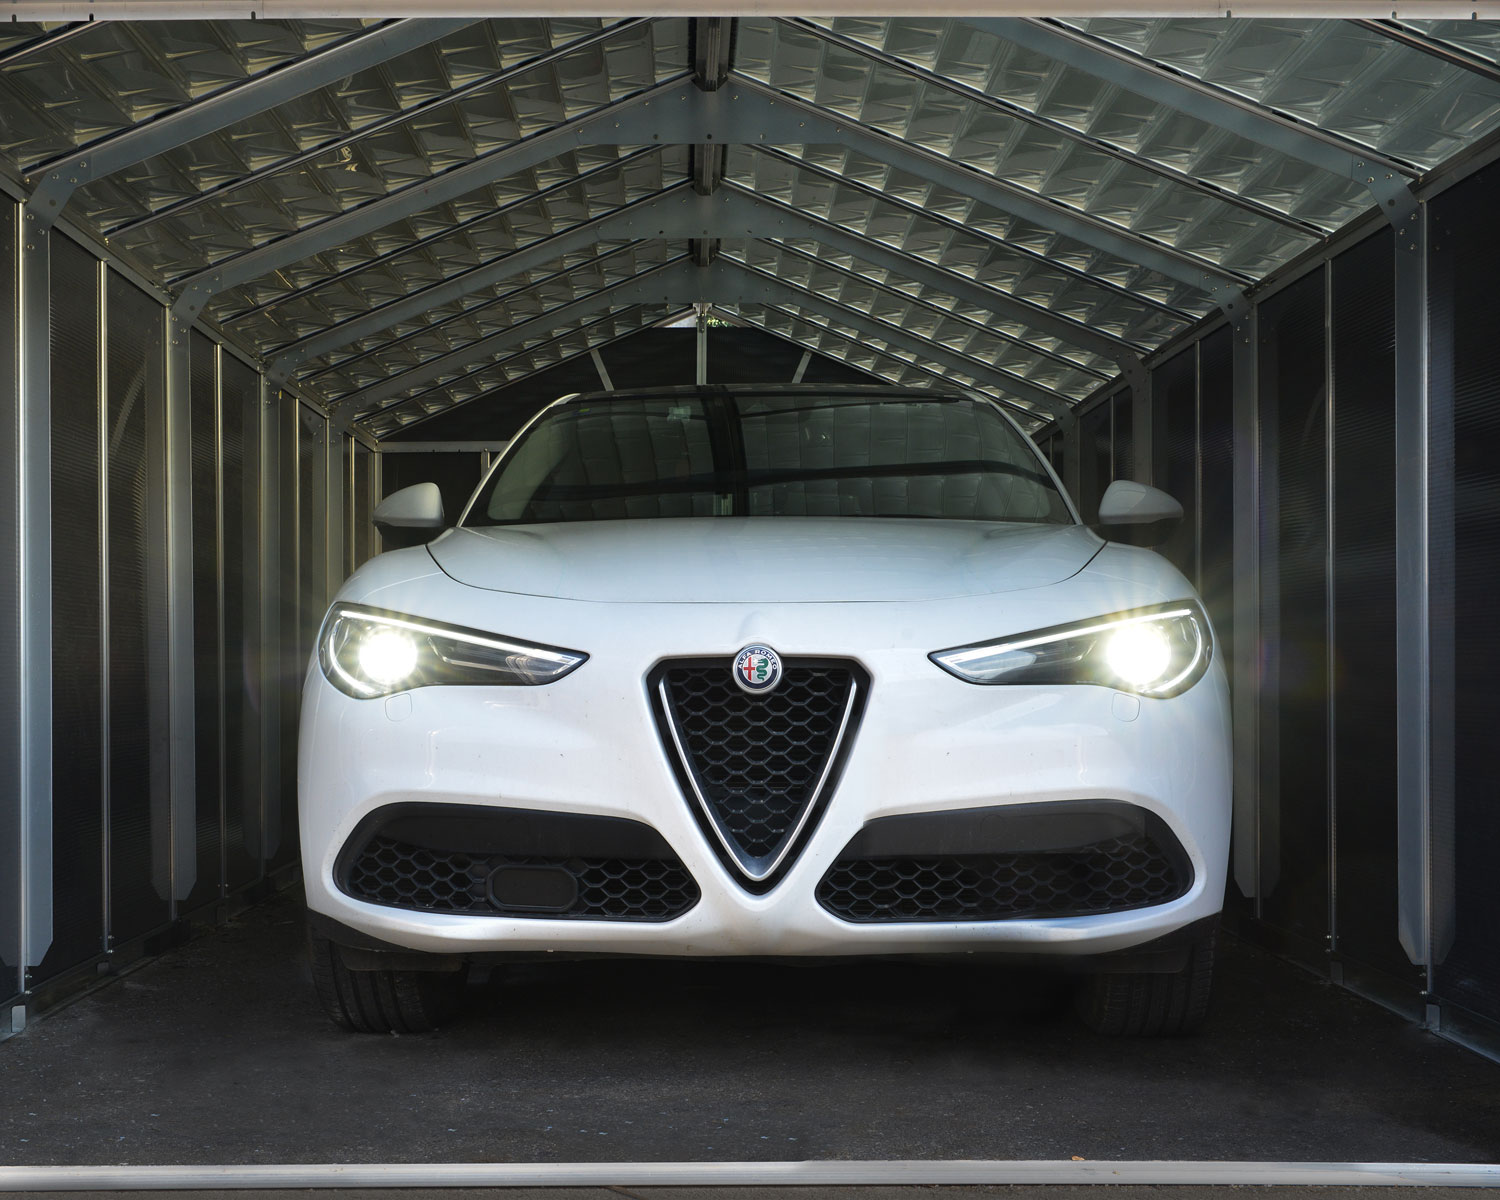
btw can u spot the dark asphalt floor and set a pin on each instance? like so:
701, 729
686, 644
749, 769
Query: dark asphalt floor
217, 1053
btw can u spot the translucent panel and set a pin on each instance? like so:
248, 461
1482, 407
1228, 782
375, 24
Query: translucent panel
568, 342
443, 242
119, 73
1480, 38
17, 35
1345, 79
1118, 190
1013, 256
464, 323
408, 131
1034, 84
911, 313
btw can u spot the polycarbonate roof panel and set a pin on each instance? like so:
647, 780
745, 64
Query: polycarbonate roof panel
1345, 79
1016, 257
119, 73
1480, 38
1018, 153
450, 327
14, 35
565, 343
440, 243
911, 311
274, 202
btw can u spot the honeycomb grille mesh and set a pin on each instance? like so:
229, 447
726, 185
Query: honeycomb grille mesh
401, 875
1109, 876
758, 759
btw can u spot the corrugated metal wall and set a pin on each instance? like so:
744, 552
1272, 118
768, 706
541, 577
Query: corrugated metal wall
114, 879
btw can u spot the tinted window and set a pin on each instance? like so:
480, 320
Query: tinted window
771, 455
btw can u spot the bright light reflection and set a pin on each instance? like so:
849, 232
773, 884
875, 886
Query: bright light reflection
1139, 654
387, 657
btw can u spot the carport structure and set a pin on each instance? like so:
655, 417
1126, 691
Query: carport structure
252, 264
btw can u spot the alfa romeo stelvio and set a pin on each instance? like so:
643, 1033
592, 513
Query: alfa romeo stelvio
776, 672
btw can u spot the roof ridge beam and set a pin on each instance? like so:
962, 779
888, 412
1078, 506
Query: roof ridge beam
1386, 179
61, 177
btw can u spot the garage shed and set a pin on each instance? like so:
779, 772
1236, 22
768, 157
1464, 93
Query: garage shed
262, 270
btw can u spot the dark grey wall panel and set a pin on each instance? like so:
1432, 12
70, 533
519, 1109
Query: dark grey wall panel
10, 645
1216, 514
1095, 436
1294, 604
135, 380
78, 755
455, 473
288, 664
312, 539
208, 671
1174, 397
1124, 440
1464, 265
1362, 283
240, 421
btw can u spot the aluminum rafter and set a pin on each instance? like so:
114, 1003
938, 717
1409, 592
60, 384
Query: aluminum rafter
1061, 129
493, 79
712, 40
659, 285
445, 231
768, 289
1386, 179
561, 275
816, 126
936, 310
676, 113
1444, 51
60, 177
887, 200
679, 213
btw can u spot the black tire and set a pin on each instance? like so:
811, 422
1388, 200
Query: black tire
1140, 1004
382, 1001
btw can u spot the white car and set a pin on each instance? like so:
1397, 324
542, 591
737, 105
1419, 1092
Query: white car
784, 671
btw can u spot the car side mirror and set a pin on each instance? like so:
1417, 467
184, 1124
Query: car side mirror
1137, 514
411, 517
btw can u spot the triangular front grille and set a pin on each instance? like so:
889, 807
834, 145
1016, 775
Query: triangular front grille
758, 768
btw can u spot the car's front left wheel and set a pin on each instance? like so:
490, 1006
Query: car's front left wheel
1150, 1004
382, 1000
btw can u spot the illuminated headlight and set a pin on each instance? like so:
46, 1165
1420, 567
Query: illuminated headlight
1161, 651
365, 653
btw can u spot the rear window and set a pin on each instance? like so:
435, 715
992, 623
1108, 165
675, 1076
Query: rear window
770, 455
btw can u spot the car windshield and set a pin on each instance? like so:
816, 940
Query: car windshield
770, 455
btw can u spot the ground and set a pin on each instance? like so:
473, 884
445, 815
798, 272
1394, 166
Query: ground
217, 1053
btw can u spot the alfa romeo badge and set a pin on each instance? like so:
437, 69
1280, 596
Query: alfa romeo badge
757, 669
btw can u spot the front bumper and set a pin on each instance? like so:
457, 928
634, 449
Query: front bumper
927, 743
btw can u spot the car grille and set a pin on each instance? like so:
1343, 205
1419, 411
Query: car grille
402, 875
755, 762
1110, 876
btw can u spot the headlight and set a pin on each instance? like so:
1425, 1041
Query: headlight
365, 653
1160, 651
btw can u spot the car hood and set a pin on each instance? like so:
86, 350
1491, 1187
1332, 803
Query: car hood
763, 560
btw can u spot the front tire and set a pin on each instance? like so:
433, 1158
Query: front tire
1141, 1004
382, 1001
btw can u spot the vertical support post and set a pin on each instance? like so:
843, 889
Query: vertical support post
106, 798
34, 469
270, 621
1418, 440
702, 374
181, 685
314, 589
335, 493
1246, 675
12, 678
1330, 467
220, 563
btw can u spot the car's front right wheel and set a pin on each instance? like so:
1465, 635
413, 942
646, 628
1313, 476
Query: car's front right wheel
384, 1000
1145, 1004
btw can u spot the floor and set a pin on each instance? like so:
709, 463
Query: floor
216, 1053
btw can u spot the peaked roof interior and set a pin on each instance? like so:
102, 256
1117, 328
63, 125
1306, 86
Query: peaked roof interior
400, 217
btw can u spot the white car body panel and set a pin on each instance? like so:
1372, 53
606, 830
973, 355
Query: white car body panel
632, 593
